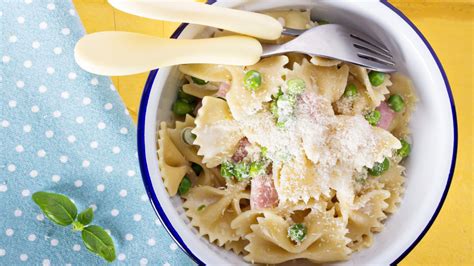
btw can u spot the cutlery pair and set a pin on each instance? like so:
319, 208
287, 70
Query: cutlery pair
116, 53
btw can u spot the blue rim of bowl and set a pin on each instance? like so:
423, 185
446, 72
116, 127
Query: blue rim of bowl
161, 213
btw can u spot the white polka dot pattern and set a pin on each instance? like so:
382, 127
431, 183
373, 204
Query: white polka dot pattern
65, 130
76, 247
32, 237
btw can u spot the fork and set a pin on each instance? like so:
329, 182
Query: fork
336, 42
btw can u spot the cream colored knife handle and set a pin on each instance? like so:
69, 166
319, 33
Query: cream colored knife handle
115, 53
245, 22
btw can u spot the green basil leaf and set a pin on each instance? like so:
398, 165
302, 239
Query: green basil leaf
86, 216
99, 242
57, 207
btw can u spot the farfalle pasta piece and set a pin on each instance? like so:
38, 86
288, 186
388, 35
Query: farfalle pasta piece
199, 91
293, 19
212, 210
367, 218
243, 102
314, 113
295, 58
325, 62
329, 82
206, 72
217, 133
341, 182
403, 87
352, 136
207, 177
241, 224
173, 164
325, 239
393, 181
237, 246
376, 93
298, 180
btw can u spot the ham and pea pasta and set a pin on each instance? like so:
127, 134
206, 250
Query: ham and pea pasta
291, 158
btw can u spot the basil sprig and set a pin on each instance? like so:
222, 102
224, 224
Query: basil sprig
61, 210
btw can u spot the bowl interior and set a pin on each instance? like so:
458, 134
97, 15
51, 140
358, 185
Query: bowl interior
428, 167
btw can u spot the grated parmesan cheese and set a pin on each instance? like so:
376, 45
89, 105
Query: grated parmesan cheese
337, 145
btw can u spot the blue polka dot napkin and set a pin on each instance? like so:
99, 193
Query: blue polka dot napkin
65, 130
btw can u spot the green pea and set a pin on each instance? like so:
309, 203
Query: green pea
351, 90
241, 171
405, 150
379, 168
252, 80
196, 168
181, 107
296, 86
186, 97
297, 232
396, 102
373, 117
184, 186
227, 169
376, 78
199, 81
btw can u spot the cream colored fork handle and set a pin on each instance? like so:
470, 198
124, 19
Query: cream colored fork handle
115, 53
245, 22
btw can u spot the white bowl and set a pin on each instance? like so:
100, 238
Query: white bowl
430, 165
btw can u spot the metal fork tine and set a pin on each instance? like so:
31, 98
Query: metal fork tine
363, 45
343, 43
368, 40
375, 65
373, 51
373, 58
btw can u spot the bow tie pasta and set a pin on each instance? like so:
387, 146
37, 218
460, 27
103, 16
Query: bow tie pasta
216, 131
212, 210
325, 239
295, 157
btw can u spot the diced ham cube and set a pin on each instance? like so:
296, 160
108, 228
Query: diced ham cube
387, 115
241, 151
263, 193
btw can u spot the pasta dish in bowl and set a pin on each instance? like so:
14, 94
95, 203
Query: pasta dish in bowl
295, 157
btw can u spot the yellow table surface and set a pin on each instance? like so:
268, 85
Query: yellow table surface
449, 27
